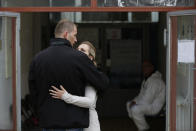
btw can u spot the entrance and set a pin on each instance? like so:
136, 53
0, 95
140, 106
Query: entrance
119, 44
173, 67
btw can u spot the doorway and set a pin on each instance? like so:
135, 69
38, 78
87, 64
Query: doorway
143, 40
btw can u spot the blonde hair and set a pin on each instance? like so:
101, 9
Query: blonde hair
63, 25
92, 50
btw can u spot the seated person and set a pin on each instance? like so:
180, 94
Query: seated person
150, 99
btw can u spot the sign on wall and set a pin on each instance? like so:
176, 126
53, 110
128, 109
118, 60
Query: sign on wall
186, 51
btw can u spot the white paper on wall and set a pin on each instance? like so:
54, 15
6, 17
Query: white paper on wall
186, 51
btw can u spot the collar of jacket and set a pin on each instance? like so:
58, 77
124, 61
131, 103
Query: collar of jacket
59, 42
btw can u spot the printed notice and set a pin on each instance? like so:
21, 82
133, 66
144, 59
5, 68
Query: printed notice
186, 51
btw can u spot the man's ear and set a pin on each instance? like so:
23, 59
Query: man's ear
65, 34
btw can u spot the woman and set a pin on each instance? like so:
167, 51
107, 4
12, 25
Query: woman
90, 99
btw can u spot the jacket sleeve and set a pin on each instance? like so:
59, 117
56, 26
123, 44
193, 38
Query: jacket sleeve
92, 76
88, 101
139, 96
32, 85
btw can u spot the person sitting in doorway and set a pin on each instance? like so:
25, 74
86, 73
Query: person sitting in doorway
150, 99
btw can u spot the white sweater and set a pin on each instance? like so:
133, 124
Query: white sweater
88, 101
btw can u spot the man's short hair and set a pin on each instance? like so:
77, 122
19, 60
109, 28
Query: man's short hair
63, 25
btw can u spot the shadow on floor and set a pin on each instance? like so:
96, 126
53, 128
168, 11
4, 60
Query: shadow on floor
126, 124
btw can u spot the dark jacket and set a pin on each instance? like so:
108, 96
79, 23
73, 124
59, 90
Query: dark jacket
57, 65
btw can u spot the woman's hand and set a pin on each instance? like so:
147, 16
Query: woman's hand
95, 63
57, 93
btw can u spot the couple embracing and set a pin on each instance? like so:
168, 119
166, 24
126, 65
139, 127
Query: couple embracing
64, 83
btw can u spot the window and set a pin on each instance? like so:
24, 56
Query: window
47, 3
126, 3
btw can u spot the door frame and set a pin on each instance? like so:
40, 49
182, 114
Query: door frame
16, 69
172, 68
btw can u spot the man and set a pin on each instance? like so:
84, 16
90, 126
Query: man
57, 65
150, 99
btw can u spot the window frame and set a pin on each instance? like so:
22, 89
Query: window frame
94, 8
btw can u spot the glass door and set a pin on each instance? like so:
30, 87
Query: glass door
181, 71
10, 113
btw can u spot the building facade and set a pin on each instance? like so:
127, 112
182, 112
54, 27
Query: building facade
23, 32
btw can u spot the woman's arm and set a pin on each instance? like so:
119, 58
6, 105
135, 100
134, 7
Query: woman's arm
88, 101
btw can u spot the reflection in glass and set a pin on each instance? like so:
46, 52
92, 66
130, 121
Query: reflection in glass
74, 3
106, 17
6, 118
126, 3
101, 3
186, 28
47, 3
109, 16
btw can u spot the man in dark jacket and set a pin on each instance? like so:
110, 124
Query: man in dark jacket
57, 65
